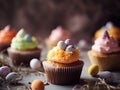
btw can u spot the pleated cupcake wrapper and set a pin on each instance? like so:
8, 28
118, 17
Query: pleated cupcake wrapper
63, 75
22, 58
110, 62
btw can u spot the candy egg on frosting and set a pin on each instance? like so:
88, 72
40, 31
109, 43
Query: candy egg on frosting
35, 64
69, 48
68, 42
13, 77
27, 37
37, 85
4, 70
61, 45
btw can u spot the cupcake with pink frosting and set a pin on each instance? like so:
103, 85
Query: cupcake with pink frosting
56, 35
105, 53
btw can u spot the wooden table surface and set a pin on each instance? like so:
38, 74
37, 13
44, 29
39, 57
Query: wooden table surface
28, 78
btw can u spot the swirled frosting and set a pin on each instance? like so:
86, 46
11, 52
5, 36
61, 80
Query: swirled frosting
61, 54
106, 44
7, 34
59, 34
23, 41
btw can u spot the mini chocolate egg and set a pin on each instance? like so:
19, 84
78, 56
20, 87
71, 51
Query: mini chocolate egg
27, 37
35, 64
4, 70
93, 70
69, 48
107, 75
37, 85
68, 42
13, 77
61, 45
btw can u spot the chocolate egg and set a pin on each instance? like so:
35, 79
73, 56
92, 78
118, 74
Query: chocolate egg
13, 77
4, 70
107, 75
61, 45
93, 70
37, 85
69, 48
68, 42
35, 64
27, 37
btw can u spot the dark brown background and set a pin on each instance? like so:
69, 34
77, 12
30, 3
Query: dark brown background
81, 17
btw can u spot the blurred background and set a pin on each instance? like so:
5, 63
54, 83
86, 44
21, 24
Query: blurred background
38, 17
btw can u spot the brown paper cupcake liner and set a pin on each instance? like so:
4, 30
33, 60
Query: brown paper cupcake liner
23, 57
106, 62
63, 75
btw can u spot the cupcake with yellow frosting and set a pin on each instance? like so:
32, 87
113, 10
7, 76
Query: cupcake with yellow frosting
63, 65
56, 35
23, 48
112, 30
105, 53
6, 36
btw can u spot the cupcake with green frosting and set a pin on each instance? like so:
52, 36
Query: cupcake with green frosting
24, 47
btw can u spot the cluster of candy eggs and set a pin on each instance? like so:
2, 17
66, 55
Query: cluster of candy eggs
8, 76
66, 45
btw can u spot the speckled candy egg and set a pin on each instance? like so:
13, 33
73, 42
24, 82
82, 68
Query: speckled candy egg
27, 37
4, 70
35, 64
61, 45
37, 85
107, 75
13, 77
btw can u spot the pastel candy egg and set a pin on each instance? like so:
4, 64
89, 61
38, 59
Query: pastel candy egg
93, 70
37, 85
61, 45
4, 70
13, 77
68, 42
27, 37
69, 48
35, 64
107, 75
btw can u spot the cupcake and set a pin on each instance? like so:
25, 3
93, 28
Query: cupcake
112, 30
63, 65
105, 53
56, 35
6, 36
23, 48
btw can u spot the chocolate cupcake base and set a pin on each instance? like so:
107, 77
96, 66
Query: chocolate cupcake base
63, 75
23, 57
